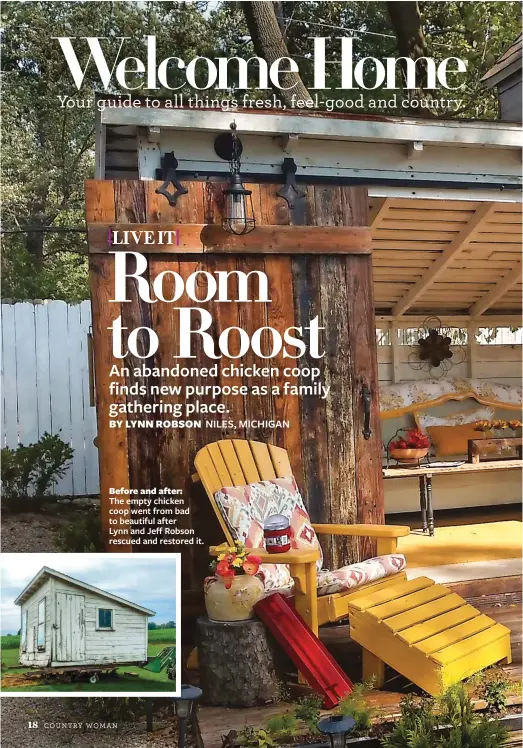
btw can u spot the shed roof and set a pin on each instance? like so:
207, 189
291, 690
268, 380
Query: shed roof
446, 256
401, 153
508, 64
46, 573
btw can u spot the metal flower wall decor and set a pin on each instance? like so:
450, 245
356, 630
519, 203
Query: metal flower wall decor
435, 352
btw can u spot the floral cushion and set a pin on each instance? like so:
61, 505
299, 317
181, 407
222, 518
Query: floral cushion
406, 397
276, 577
245, 509
356, 575
425, 419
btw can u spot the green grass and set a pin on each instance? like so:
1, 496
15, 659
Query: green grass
142, 681
162, 635
12, 641
10, 658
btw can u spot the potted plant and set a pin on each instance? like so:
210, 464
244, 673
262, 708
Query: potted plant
234, 589
412, 448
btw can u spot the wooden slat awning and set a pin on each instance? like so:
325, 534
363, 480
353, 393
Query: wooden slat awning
446, 256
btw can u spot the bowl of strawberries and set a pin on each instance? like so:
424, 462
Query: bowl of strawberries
411, 448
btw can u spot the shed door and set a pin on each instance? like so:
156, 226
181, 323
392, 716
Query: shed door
334, 451
70, 631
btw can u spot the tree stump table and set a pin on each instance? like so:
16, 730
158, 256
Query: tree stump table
238, 662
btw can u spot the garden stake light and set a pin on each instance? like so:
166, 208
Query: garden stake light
336, 727
183, 706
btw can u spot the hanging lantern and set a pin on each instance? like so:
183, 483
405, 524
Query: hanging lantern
238, 215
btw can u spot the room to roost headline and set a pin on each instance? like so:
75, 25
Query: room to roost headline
195, 322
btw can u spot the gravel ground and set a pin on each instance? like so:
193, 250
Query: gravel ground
28, 533
63, 722
34, 532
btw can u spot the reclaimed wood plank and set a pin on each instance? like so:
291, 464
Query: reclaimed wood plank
291, 240
313, 411
112, 442
280, 316
336, 320
226, 316
258, 404
144, 470
208, 238
171, 443
364, 370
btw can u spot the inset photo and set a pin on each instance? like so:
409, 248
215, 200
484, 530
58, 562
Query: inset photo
103, 625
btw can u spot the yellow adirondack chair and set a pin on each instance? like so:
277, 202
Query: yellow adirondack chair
237, 462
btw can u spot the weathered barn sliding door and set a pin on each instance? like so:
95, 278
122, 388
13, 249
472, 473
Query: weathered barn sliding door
337, 466
70, 627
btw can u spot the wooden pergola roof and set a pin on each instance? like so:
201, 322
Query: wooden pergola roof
449, 256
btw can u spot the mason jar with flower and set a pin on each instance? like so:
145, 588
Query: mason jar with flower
500, 429
234, 589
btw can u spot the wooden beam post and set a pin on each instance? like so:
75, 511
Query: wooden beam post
457, 245
472, 349
394, 342
495, 293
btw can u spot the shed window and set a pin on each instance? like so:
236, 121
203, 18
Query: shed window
40, 637
105, 618
23, 633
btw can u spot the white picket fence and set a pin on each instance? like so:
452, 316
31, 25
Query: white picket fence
45, 384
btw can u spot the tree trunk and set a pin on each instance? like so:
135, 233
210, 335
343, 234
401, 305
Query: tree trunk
406, 21
269, 44
408, 28
237, 663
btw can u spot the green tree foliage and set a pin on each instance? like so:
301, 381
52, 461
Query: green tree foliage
48, 150
478, 32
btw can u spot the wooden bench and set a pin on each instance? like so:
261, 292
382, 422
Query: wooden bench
425, 473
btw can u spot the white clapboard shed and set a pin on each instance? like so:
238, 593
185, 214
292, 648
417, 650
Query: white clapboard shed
68, 622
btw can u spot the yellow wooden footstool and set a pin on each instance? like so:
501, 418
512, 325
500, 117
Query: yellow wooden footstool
427, 633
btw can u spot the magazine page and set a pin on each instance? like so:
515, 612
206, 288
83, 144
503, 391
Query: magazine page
261, 373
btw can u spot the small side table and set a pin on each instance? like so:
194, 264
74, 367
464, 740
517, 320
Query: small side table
425, 473
239, 664
425, 500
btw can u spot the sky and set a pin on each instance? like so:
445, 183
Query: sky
145, 579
